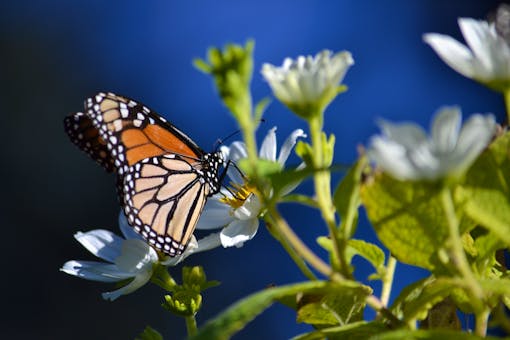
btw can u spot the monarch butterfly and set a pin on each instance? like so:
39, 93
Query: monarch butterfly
163, 177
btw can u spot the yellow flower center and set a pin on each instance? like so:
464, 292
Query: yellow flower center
239, 194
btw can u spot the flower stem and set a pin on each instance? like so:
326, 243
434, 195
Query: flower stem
459, 259
191, 325
322, 181
298, 245
387, 281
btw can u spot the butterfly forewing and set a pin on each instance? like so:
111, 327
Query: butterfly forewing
164, 178
83, 134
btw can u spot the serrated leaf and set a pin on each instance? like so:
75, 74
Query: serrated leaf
242, 312
368, 251
347, 197
487, 189
149, 333
360, 330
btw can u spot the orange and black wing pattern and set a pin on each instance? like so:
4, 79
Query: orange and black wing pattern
164, 177
84, 135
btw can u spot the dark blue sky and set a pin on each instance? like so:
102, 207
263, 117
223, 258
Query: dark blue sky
56, 53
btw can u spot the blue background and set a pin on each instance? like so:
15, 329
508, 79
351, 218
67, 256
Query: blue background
56, 53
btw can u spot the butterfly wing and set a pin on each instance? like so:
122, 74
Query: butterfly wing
164, 197
84, 135
165, 177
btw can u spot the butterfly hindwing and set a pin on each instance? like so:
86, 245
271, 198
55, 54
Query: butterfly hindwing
164, 197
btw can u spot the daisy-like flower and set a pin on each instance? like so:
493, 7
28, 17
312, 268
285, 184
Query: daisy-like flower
238, 214
485, 59
308, 84
127, 258
407, 153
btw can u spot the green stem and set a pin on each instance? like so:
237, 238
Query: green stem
506, 96
482, 321
298, 245
322, 181
290, 250
387, 281
162, 278
459, 259
381, 310
191, 325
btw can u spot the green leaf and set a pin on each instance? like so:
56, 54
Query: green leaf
360, 330
408, 218
368, 251
239, 314
340, 306
405, 334
487, 189
347, 197
149, 333
415, 300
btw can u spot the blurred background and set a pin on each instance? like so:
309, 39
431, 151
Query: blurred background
54, 54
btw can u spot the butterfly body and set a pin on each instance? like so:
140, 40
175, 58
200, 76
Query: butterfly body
163, 177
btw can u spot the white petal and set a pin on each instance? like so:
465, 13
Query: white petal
391, 157
102, 243
126, 229
215, 214
138, 282
288, 145
268, 148
250, 209
474, 137
445, 129
211, 241
453, 53
137, 256
95, 271
477, 35
237, 151
408, 134
238, 232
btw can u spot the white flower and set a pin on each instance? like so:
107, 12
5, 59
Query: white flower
308, 82
128, 258
407, 153
485, 59
238, 215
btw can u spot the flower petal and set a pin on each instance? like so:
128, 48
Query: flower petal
238, 232
268, 148
136, 257
445, 129
237, 151
453, 53
95, 271
102, 243
250, 209
126, 229
137, 282
216, 214
289, 144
